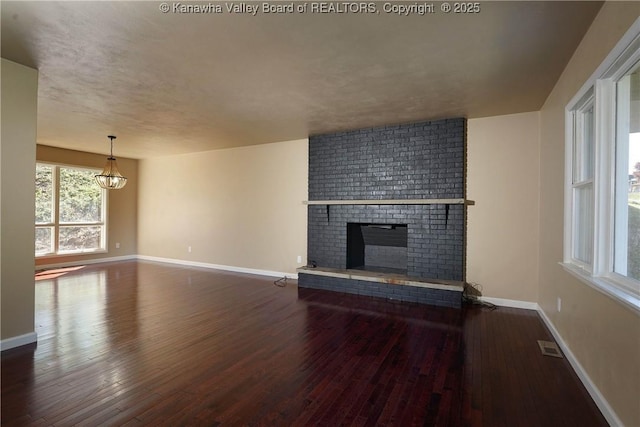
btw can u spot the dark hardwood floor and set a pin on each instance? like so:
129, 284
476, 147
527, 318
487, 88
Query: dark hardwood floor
138, 343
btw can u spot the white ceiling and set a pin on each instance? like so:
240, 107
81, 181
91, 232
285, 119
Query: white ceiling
169, 83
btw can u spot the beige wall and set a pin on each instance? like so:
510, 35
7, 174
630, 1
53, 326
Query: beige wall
502, 179
239, 207
603, 335
17, 166
122, 204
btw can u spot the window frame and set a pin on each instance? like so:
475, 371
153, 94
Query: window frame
600, 273
576, 138
57, 224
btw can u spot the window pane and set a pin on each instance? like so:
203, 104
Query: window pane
79, 238
80, 196
627, 203
44, 194
44, 240
583, 224
633, 240
583, 145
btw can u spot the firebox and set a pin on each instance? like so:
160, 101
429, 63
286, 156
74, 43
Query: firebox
377, 247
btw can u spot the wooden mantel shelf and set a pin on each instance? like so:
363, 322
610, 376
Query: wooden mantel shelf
393, 202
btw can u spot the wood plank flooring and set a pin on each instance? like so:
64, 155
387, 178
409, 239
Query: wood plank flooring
139, 343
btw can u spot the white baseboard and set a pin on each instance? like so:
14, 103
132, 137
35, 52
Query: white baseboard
234, 269
14, 342
501, 302
84, 262
598, 398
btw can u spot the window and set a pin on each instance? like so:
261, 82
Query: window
627, 197
70, 211
582, 182
602, 191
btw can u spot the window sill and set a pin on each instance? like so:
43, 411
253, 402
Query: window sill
605, 286
68, 254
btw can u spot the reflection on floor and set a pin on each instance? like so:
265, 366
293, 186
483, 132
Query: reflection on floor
153, 344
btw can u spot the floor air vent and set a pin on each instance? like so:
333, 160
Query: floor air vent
549, 348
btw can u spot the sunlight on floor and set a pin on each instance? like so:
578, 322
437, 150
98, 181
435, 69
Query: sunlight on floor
53, 274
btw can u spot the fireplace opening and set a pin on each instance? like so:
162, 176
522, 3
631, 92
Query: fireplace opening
377, 247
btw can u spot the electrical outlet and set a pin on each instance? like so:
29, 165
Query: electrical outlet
299, 260
189, 249
117, 245
559, 304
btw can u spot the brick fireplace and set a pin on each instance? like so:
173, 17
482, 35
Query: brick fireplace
386, 214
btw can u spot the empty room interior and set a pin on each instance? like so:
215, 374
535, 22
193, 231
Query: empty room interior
323, 213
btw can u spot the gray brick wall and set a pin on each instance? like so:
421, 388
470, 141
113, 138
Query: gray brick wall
435, 236
420, 160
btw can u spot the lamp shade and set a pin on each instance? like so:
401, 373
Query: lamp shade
111, 178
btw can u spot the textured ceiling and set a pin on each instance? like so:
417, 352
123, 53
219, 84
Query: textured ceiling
169, 83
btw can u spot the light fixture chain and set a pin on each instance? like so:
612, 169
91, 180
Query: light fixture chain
111, 137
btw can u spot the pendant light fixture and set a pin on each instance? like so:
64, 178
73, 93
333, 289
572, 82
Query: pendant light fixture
111, 178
